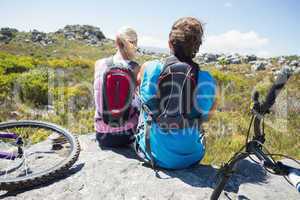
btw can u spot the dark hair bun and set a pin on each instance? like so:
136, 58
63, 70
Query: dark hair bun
186, 37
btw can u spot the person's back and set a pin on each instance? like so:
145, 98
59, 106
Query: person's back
116, 116
175, 135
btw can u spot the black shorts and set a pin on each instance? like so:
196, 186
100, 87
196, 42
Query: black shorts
117, 139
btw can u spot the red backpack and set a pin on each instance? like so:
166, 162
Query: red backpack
119, 84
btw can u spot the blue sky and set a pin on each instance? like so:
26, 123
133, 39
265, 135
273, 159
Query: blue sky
264, 27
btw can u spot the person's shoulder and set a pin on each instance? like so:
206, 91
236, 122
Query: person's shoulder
152, 65
150, 69
100, 66
100, 62
153, 62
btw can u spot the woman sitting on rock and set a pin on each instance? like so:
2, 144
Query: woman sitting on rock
116, 116
176, 98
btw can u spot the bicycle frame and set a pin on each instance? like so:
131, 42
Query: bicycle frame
10, 156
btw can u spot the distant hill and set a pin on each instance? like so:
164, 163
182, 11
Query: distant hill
154, 50
72, 41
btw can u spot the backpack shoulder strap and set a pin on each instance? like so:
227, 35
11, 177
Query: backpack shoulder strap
110, 62
170, 61
195, 70
133, 65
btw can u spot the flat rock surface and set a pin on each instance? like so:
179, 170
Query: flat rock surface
117, 174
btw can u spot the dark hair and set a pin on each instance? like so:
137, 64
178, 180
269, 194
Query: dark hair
186, 38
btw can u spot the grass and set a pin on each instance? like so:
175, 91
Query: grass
226, 131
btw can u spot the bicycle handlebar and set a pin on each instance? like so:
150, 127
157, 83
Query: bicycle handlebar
294, 177
293, 174
275, 89
262, 108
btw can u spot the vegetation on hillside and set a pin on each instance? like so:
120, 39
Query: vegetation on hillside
55, 83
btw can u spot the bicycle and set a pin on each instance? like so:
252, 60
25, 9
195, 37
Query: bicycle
34, 153
254, 147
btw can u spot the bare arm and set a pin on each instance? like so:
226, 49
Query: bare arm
141, 73
216, 103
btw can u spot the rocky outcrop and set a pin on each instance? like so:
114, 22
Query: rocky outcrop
259, 66
117, 174
209, 58
234, 60
150, 52
42, 38
281, 61
222, 62
249, 58
7, 34
295, 63
90, 34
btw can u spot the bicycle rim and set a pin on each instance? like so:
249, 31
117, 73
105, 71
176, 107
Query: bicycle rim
45, 158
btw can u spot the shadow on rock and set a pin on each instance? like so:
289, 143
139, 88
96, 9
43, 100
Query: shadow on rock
207, 176
73, 170
127, 151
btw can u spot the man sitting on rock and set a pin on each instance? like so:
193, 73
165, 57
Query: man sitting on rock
176, 98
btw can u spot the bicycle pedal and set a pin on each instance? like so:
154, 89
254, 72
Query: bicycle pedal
56, 147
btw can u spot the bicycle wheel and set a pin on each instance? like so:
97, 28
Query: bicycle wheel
33, 153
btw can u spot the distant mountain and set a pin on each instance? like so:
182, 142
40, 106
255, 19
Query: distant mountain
72, 41
155, 50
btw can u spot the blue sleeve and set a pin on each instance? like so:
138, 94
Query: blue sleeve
205, 93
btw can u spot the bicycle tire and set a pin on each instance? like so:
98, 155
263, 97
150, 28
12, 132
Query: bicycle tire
47, 175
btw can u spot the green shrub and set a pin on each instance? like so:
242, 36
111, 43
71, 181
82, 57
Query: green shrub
223, 78
34, 87
223, 61
67, 63
6, 85
5, 88
15, 64
72, 99
79, 97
